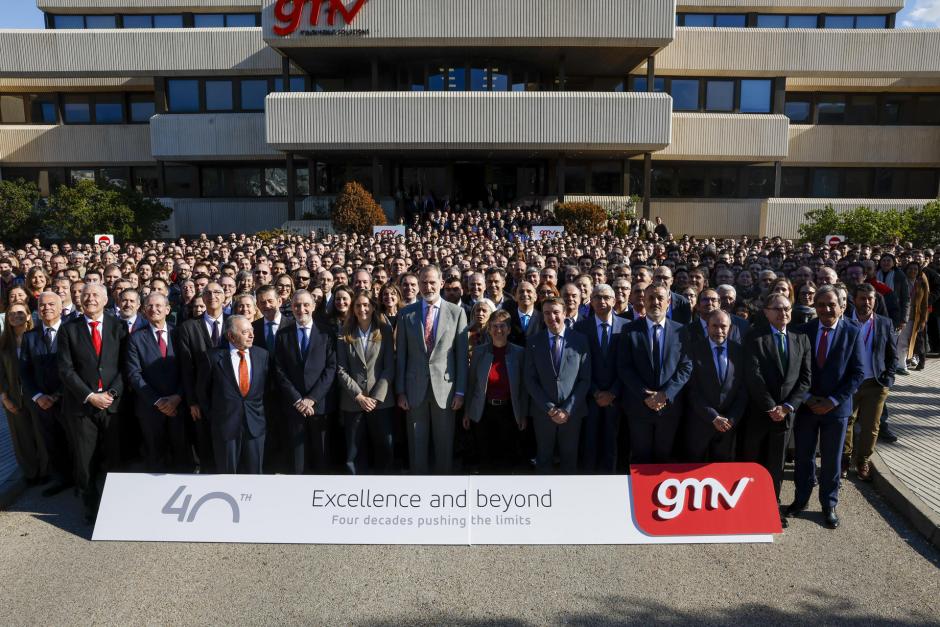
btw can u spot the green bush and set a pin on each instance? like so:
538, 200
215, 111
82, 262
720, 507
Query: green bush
920, 225
83, 209
17, 209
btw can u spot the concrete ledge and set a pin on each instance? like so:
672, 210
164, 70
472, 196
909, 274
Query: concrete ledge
11, 488
924, 519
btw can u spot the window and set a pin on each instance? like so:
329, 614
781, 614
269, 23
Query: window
100, 21
793, 182
639, 84
12, 110
208, 20
575, 179
862, 109
756, 96
830, 109
921, 184
69, 21
719, 95
661, 180
142, 107
146, 180
858, 183
43, 109
699, 19
247, 182
275, 181
730, 20
899, 109
839, 21
76, 109
116, 176
164, 21
802, 21
219, 96
758, 182
871, 21
180, 181
721, 20
77, 175
825, 183
220, 20
215, 183
691, 180
771, 21
685, 94
240, 20
723, 181
799, 109
297, 84
253, 94
138, 21
607, 178
182, 95
928, 109
109, 108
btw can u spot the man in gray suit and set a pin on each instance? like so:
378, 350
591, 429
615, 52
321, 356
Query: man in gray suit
558, 378
431, 376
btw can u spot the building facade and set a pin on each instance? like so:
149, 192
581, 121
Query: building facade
726, 116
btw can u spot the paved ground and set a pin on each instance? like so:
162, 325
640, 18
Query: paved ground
915, 417
7, 459
874, 569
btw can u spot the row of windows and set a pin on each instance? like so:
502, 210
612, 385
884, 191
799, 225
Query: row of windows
176, 20
885, 109
719, 94
192, 95
689, 180
773, 20
55, 108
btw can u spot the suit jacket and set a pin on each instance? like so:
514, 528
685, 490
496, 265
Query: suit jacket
884, 348
768, 385
370, 372
569, 387
39, 372
603, 366
516, 334
739, 329
192, 343
445, 369
227, 409
80, 369
149, 374
635, 367
709, 397
480, 365
842, 372
681, 309
305, 376
139, 323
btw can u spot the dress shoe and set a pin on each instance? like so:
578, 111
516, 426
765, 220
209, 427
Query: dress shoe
846, 462
55, 488
902, 371
794, 509
784, 523
864, 471
887, 435
832, 519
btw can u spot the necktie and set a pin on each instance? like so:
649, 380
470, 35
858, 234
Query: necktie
782, 352
657, 354
569, 323
243, 383
269, 335
304, 341
556, 353
49, 339
95, 337
215, 332
605, 337
161, 343
429, 329
524, 318
721, 367
823, 348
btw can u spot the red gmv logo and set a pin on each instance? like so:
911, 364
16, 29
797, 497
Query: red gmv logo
290, 13
704, 499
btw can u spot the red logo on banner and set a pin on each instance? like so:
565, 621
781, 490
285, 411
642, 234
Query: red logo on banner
704, 499
290, 13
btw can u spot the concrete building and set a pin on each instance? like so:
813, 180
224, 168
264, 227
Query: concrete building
726, 116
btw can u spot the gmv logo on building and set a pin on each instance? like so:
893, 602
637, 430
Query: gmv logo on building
290, 13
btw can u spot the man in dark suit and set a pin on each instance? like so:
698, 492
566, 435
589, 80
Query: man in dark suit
717, 394
778, 376
654, 367
680, 309
601, 426
89, 353
265, 329
194, 338
43, 389
305, 362
557, 378
837, 375
128, 308
525, 321
879, 358
571, 297
709, 301
495, 286
153, 373
231, 390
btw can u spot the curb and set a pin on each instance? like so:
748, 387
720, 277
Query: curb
11, 489
924, 519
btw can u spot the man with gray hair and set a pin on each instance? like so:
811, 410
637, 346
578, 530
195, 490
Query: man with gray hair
728, 297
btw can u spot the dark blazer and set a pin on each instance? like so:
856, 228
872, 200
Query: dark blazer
635, 367
603, 367
842, 373
370, 372
139, 323
739, 328
258, 326
516, 334
681, 309
305, 376
151, 375
480, 364
767, 385
228, 411
192, 343
568, 389
884, 347
39, 372
709, 397
79, 367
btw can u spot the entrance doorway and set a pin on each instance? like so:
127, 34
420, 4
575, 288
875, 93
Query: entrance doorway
469, 184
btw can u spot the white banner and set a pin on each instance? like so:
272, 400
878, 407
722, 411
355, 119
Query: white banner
451, 510
397, 230
545, 232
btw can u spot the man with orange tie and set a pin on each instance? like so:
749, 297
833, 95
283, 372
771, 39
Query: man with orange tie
231, 388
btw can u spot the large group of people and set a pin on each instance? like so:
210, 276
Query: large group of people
467, 346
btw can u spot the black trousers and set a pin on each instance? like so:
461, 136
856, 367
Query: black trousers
378, 426
496, 438
705, 444
652, 439
599, 435
96, 439
764, 441
308, 440
201, 437
548, 435
243, 455
164, 438
55, 438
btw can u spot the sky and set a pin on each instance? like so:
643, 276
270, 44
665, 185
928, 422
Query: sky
916, 14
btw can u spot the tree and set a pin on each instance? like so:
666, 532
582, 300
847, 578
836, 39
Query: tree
85, 208
356, 211
924, 224
581, 217
17, 209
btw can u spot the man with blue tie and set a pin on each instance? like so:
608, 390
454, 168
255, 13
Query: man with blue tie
270, 323
837, 374
265, 329
654, 367
601, 426
525, 320
557, 377
128, 307
153, 374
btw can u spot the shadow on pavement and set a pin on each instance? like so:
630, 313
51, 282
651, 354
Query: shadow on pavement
63, 511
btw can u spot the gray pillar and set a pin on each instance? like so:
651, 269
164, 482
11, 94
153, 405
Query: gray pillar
626, 177
562, 78
647, 182
291, 188
650, 73
285, 73
375, 74
376, 178
778, 178
161, 178
560, 177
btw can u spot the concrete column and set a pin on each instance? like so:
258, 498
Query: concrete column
560, 177
291, 188
647, 182
650, 73
778, 178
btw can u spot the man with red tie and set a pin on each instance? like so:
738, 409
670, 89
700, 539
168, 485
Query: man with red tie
90, 349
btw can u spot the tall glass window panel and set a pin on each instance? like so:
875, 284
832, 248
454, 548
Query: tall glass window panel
182, 95
871, 21
456, 79
889, 183
830, 109
167, 21
661, 181
793, 182
858, 183
691, 181
862, 109
730, 20
12, 110
142, 107
921, 183
899, 109
478, 79
699, 19
639, 84
801, 21
100, 21
214, 182
685, 94
219, 96
839, 21
109, 109
758, 182
771, 21
208, 20
826, 183
436, 80
719, 96
607, 178
576, 179
240, 20
69, 21
275, 181
928, 109
297, 84
146, 180
116, 177
723, 181
138, 21
43, 109
799, 109
247, 182
77, 110
499, 79
756, 95
253, 93
302, 180
79, 175
180, 181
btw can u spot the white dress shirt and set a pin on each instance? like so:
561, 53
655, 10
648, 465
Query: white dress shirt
599, 329
236, 361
